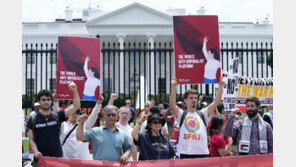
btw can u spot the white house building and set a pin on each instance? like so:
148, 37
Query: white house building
133, 23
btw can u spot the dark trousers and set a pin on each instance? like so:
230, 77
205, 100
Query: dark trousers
189, 156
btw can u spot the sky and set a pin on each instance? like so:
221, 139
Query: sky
227, 10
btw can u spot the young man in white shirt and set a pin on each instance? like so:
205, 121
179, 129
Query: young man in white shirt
72, 148
124, 115
192, 139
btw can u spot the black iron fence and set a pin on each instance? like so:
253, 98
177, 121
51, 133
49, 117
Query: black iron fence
138, 71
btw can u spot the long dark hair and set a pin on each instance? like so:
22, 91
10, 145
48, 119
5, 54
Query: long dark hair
95, 71
215, 53
216, 124
149, 131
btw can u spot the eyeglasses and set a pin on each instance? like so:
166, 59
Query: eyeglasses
156, 122
49, 99
160, 108
146, 105
128, 103
109, 115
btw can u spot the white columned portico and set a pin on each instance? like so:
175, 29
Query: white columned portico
151, 70
121, 47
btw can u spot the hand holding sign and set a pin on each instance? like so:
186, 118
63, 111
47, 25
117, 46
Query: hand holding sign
72, 87
221, 82
174, 82
234, 111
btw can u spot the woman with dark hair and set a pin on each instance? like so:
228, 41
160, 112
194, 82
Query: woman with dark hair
92, 81
153, 145
213, 63
218, 147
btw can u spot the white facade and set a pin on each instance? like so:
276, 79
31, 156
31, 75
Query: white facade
132, 23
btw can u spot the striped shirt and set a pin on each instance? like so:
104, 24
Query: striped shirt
233, 128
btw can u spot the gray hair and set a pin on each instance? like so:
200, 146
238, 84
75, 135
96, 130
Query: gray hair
109, 108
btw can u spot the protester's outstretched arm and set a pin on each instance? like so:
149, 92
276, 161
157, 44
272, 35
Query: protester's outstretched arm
137, 127
165, 115
33, 145
80, 131
91, 120
232, 126
212, 107
76, 103
113, 97
173, 106
55, 106
85, 67
134, 152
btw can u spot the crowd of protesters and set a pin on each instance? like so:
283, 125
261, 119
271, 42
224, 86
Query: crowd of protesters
190, 128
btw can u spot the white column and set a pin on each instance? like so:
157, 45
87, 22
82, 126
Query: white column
150, 80
121, 47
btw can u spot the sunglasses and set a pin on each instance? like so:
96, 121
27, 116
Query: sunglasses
109, 115
156, 122
160, 108
146, 105
128, 103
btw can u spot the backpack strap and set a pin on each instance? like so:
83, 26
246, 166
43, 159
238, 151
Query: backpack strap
34, 117
181, 122
202, 117
67, 136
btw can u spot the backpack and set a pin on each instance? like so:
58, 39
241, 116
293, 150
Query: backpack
184, 116
34, 117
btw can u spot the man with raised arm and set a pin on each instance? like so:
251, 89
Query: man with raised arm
192, 138
109, 142
44, 126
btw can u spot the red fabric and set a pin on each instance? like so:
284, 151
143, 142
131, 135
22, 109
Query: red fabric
216, 142
235, 161
175, 128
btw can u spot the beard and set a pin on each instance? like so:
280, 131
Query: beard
252, 113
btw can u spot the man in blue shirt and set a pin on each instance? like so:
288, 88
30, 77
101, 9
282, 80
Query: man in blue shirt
109, 143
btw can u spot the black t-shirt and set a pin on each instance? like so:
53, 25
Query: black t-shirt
149, 151
47, 134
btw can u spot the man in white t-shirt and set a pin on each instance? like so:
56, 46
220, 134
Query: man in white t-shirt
192, 139
124, 115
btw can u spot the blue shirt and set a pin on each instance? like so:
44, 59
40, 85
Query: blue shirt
154, 151
106, 145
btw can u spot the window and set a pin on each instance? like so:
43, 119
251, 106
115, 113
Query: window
134, 57
53, 58
85, 13
108, 85
31, 58
52, 84
161, 85
162, 58
107, 57
30, 86
260, 56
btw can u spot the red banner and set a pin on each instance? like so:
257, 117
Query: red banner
235, 161
197, 50
78, 60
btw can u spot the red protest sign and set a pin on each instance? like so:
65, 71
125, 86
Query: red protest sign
197, 50
78, 61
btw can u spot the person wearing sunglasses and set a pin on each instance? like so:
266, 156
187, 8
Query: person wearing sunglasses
153, 145
108, 142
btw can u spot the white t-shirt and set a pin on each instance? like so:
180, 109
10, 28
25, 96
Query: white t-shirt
23, 122
164, 129
211, 68
128, 131
193, 133
90, 86
73, 148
